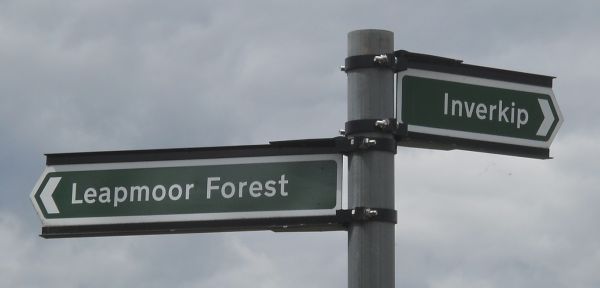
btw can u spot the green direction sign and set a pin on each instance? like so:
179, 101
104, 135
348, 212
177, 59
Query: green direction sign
189, 190
474, 108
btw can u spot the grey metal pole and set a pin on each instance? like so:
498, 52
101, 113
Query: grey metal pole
371, 173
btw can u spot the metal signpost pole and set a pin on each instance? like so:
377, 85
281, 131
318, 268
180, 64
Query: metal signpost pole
371, 172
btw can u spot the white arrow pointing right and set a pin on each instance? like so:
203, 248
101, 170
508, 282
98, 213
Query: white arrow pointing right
46, 195
548, 118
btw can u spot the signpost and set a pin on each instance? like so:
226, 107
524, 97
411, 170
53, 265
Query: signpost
296, 185
141, 192
481, 113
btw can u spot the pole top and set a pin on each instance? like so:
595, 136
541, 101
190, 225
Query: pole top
370, 41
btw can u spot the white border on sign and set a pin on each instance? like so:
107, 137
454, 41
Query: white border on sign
480, 82
192, 216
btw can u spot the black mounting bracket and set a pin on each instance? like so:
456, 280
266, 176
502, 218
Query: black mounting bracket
386, 61
364, 214
361, 143
389, 125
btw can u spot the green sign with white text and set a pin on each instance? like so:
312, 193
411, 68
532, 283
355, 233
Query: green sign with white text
189, 190
477, 109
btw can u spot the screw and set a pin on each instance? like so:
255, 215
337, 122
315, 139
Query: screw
343, 68
371, 212
369, 142
382, 123
381, 59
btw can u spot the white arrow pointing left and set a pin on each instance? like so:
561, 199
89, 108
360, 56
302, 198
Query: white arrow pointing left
46, 195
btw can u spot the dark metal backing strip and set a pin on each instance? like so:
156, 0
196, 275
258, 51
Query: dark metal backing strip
302, 147
286, 224
429, 141
454, 66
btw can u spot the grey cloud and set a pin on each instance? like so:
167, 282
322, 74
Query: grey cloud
81, 76
494, 222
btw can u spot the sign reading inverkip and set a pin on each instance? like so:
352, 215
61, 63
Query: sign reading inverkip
478, 108
189, 190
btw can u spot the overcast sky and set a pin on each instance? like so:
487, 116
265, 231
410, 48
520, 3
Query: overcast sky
114, 75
